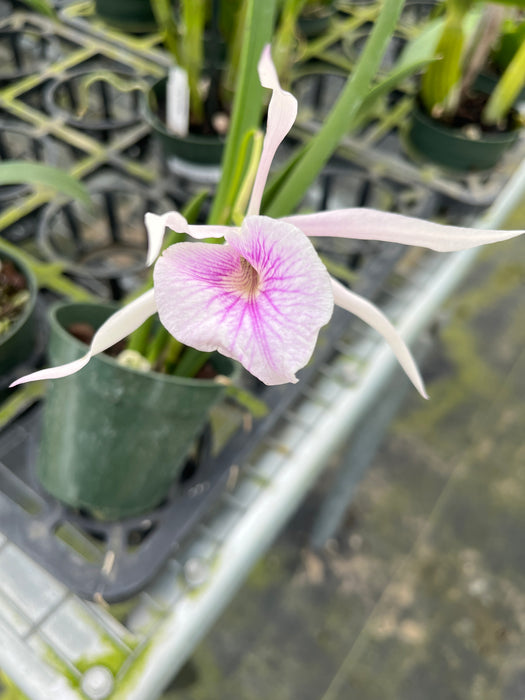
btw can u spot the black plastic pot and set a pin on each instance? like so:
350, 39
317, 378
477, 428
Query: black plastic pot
17, 344
454, 148
134, 16
196, 149
115, 439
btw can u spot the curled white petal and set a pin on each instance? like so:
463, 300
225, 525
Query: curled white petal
282, 112
118, 326
370, 224
156, 225
367, 312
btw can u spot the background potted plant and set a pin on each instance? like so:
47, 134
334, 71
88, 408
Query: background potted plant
455, 124
189, 109
18, 291
18, 283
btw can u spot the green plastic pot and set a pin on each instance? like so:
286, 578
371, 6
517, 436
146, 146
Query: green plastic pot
115, 439
452, 148
312, 25
18, 342
135, 16
194, 148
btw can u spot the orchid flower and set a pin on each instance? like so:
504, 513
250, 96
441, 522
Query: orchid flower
263, 295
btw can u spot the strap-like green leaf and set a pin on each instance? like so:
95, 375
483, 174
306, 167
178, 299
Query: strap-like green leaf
507, 90
248, 102
19, 172
344, 111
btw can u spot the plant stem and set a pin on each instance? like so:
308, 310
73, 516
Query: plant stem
193, 18
139, 339
157, 345
175, 347
507, 90
191, 362
162, 9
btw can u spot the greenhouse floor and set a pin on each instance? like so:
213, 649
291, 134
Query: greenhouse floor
422, 591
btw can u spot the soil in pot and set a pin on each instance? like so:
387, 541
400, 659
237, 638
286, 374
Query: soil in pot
17, 304
463, 143
14, 294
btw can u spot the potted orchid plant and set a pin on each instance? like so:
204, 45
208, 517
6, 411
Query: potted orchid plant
18, 282
457, 124
262, 296
189, 109
253, 288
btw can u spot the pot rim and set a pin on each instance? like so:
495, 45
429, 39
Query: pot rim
458, 133
111, 362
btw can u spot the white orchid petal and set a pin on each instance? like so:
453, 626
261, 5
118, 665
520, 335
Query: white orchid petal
118, 326
367, 312
54, 372
282, 112
156, 226
370, 224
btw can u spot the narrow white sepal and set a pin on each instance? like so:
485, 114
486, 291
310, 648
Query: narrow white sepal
156, 225
374, 225
367, 312
118, 326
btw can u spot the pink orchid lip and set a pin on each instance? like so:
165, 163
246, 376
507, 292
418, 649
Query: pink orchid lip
261, 298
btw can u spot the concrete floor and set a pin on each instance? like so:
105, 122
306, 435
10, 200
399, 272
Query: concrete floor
421, 594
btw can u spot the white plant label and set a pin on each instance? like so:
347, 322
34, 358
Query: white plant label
178, 101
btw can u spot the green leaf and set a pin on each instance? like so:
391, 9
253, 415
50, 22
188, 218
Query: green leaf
394, 78
507, 90
247, 104
423, 46
19, 172
444, 75
344, 111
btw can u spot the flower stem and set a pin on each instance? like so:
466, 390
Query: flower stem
139, 340
175, 348
191, 362
157, 345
